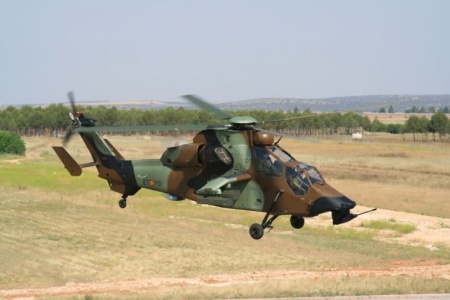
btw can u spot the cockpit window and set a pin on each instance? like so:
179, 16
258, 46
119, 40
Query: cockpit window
314, 175
265, 163
223, 155
297, 179
312, 172
283, 155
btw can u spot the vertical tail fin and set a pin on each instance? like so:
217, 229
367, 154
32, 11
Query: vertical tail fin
111, 165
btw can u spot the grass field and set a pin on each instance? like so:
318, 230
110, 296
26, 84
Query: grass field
66, 237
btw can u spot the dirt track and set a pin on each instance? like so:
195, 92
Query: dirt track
404, 269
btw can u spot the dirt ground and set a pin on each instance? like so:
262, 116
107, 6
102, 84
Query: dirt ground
414, 268
429, 231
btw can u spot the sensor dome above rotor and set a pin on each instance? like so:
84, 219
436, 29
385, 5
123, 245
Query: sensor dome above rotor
243, 120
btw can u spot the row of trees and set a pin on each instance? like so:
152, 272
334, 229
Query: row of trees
416, 110
54, 119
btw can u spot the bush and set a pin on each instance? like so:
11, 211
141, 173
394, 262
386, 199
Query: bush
11, 143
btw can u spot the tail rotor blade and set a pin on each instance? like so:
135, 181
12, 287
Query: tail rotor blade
68, 136
69, 131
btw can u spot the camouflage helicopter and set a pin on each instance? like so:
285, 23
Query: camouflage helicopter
236, 166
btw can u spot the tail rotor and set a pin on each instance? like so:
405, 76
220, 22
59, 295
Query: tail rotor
78, 119
72, 115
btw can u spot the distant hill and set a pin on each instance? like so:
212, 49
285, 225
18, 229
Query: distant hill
355, 103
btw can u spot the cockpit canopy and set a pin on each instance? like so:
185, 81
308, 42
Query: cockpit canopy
301, 177
273, 161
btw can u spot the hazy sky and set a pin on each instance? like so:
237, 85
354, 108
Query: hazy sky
222, 50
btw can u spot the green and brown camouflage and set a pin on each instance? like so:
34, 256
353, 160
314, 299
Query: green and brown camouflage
236, 166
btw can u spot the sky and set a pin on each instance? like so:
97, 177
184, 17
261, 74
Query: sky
222, 50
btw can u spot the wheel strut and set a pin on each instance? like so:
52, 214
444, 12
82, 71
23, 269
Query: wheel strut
257, 230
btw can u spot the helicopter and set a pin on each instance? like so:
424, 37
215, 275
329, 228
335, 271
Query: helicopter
235, 166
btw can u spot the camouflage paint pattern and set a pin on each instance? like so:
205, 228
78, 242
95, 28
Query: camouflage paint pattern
235, 166
217, 168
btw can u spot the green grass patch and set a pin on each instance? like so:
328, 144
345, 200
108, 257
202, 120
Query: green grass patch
46, 175
4, 156
391, 224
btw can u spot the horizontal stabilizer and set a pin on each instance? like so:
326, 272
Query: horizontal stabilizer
69, 163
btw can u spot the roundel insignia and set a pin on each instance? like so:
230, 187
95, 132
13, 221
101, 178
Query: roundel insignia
151, 182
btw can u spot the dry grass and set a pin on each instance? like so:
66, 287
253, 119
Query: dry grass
56, 229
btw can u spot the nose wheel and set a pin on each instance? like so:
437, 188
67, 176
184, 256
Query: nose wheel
123, 203
297, 221
256, 231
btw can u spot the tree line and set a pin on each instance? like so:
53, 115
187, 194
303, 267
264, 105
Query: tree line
53, 120
416, 110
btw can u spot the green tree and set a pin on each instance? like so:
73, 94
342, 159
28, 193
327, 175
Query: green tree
391, 109
11, 143
438, 123
349, 122
365, 123
377, 126
394, 128
416, 125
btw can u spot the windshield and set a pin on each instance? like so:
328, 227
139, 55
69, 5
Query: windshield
283, 155
300, 177
314, 175
298, 181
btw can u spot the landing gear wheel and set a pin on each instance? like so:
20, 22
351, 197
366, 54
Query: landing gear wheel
122, 203
297, 222
256, 231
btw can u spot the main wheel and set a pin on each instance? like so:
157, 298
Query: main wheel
297, 222
256, 231
122, 203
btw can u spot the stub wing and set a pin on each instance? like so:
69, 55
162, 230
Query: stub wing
214, 187
213, 193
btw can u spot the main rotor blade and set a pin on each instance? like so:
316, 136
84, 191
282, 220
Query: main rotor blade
217, 112
172, 127
289, 136
312, 115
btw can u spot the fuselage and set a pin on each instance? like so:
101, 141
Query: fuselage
241, 170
